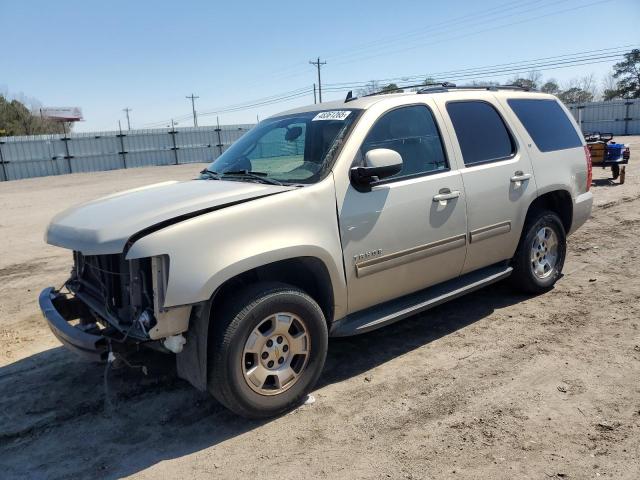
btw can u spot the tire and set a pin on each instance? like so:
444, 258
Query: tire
537, 264
240, 337
615, 171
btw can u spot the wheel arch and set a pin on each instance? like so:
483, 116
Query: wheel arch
557, 201
307, 273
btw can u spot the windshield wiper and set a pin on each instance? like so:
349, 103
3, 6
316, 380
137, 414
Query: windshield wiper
209, 174
260, 176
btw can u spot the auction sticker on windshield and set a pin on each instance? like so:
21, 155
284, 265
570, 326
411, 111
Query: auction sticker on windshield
332, 115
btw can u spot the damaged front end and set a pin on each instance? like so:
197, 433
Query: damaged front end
114, 304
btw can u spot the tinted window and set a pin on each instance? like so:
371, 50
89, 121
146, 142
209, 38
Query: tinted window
547, 123
412, 132
481, 132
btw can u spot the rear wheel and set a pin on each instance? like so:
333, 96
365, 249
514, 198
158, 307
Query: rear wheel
615, 171
540, 256
267, 350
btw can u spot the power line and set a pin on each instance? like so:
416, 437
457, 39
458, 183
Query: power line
277, 98
589, 57
193, 107
496, 27
480, 73
498, 12
617, 50
318, 64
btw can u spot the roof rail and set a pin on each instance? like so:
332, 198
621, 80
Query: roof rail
448, 86
403, 87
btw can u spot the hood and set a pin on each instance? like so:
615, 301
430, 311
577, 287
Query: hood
103, 226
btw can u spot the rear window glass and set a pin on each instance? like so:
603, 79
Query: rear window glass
547, 123
481, 133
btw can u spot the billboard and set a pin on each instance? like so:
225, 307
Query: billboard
63, 114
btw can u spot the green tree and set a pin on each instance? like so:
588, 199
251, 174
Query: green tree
575, 95
524, 83
391, 88
627, 73
17, 119
550, 86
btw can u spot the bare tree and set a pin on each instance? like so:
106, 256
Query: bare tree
535, 77
588, 83
609, 87
372, 86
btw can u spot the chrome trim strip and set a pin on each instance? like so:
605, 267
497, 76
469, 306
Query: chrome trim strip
489, 231
413, 254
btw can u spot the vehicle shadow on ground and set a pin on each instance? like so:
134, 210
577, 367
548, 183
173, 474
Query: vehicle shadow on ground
605, 182
54, 421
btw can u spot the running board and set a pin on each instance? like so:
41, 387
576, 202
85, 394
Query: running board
403, 307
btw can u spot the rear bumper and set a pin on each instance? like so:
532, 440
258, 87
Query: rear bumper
59, 310
581, 210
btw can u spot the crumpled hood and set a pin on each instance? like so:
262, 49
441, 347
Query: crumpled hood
103, 226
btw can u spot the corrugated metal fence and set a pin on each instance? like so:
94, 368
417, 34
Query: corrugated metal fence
36, 156
41, 155
620, 117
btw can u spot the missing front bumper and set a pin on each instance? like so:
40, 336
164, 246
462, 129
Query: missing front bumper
59, 309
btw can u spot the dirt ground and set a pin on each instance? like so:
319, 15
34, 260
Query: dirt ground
494, 385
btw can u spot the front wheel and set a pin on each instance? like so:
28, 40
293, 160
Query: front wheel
539, 259
267, 350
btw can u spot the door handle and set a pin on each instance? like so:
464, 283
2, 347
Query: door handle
445, 195
520, 177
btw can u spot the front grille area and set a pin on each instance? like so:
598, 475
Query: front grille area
117, 290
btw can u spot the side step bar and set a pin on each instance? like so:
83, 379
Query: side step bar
403, 307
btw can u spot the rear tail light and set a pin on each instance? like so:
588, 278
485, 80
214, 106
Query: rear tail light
626, 154
587, 154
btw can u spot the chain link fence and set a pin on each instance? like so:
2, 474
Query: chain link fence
42, 155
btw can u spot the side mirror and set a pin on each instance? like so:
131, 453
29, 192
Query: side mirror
380, 163
293, 133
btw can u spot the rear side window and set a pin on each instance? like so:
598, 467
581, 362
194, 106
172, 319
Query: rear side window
481, 132
547, 123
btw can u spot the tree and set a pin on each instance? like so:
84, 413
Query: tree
530, 82
628, 74
17, 119
609, 87
550, 86
575, 95
372, 86
391, 88
524, 83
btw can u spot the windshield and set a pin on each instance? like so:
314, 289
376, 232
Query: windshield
297, 148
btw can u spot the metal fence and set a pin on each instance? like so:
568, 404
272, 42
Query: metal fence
41, 155
620, 117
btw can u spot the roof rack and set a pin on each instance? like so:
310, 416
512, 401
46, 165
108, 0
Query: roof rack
449, 86
446, 86
403, 87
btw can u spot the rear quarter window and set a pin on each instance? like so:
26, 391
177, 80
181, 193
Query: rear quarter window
547, 124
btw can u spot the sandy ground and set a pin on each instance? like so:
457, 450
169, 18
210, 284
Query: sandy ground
495, 385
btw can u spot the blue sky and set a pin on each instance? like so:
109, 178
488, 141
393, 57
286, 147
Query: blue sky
104, 56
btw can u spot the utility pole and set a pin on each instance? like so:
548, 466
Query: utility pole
318, 64
193, 107
127, 110
315, 100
